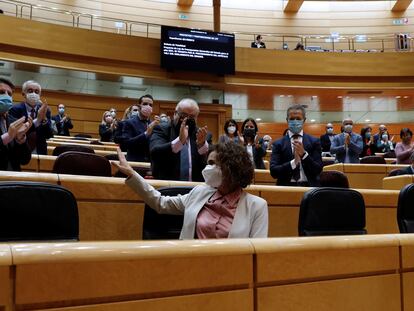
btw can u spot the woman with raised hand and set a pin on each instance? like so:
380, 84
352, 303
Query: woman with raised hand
220, 208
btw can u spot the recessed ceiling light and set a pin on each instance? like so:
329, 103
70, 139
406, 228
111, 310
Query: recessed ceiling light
372, 97
397, 97
347, 97
339, 97
367, 120
314, 96
281, 95
290, 95
406, 96
313, 120
258, 119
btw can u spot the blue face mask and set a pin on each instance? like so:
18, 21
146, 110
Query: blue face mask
368, 135
6, 102
295, 126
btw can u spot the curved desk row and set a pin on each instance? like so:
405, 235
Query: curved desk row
371, 273
109, 210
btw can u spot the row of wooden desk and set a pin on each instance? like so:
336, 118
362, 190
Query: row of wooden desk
370, 273
109, 210
363, 176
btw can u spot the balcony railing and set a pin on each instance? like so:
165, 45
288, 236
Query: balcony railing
348, 43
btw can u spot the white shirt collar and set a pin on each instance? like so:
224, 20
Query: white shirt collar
291, 134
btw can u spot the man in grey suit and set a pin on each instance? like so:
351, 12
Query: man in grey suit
347, 146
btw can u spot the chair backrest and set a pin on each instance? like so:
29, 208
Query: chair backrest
395, 172
335, 179
83, 135
112, 156
141, 170
328, 162
160, 226
33, 211
405, 209
390, 154
65, 148
81, 163
331, 211
373, 160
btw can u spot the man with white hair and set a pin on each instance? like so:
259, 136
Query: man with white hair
38, 111
348, 145
179, 149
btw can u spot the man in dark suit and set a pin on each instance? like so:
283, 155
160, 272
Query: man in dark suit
348, 145
179, 149
377, 138
14, 149
137, 131
258, 44
296, 157
38, 111
63, 122
326, 139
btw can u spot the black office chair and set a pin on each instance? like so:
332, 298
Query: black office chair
161, 226
395, 172
65, 148
390, 154
405, 209
373, 160
331, 211
34, 211
81, 163
82, 135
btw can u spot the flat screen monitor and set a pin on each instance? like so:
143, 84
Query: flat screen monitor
197, 50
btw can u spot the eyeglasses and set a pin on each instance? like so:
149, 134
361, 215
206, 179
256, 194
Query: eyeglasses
184, 115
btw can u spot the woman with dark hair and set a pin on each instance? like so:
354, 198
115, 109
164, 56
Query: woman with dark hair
405, 148
367, 141
231, 133
218, 209
252, 142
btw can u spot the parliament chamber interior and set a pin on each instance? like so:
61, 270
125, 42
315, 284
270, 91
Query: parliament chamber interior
206, 155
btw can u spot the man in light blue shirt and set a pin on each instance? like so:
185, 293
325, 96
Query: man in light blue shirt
347, 146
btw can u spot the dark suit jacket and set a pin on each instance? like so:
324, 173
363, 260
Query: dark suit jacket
63, 128
325, 142
17, 154
262, 45
119, 136
136, 142
165, 163
106, 133
259, 151
280, 167
43, 131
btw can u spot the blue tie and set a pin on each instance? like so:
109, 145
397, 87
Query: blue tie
184, 163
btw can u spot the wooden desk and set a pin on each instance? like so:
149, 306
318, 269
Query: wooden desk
338, 273
368, 176
397, 182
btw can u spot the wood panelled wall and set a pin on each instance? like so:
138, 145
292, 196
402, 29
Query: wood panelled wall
314, 17
86, 111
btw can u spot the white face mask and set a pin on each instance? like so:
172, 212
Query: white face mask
212, 175
113, 114
32, 98
348, 128
231, 129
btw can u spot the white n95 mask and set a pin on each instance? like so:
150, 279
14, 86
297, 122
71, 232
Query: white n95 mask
212, 175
